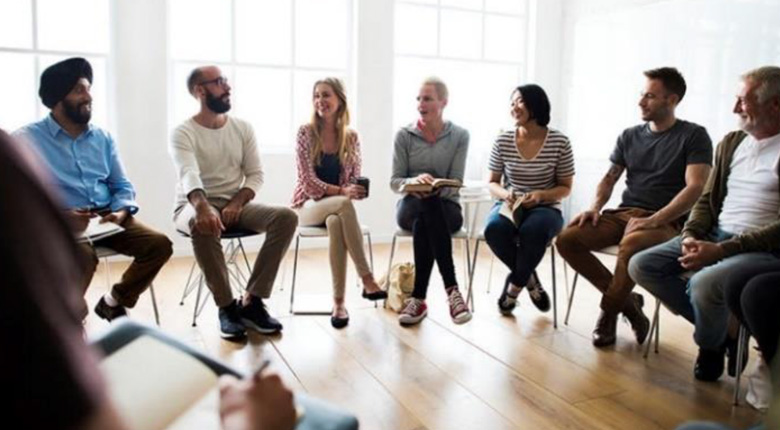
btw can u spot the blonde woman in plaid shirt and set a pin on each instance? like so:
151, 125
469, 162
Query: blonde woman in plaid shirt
328, 160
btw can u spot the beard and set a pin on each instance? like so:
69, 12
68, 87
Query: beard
74, 113
217, 104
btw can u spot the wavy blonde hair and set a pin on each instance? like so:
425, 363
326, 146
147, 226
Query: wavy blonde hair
346, 149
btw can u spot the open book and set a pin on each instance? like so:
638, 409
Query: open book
513, 212
97, 230
417, 187
157, 382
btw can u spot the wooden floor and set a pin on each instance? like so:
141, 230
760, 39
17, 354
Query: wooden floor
492, 373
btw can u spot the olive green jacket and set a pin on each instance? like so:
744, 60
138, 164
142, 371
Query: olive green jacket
704, 216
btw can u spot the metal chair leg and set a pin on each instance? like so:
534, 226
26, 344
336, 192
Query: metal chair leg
295, 272
571, 298
554, 288
189, 286
197, 301
154, 304
470, 293
742, 341
390, 264
654, 329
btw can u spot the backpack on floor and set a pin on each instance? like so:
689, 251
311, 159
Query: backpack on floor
399, 284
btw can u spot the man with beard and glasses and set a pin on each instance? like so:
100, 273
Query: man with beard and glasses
219, 172
666, 161
86, 170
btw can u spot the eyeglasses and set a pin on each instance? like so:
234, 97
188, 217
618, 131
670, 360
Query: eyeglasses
220, 81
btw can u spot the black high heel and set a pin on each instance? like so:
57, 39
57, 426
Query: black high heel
376, 295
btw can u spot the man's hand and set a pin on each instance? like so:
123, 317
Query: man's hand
699, 253
354, 192
231, 214
117, 217
590, 215
259, 403
79, 219
207, 220
636, 224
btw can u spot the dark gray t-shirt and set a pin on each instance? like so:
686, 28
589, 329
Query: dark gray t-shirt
655, 163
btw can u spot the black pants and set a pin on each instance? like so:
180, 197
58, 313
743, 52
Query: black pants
432, 221
753, 296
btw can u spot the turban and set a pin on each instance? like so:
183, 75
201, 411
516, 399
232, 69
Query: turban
60, 78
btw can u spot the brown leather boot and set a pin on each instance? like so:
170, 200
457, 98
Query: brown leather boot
606, 329
632, 310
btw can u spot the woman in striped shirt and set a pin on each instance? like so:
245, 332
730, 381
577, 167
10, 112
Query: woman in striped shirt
328, 159
532, 165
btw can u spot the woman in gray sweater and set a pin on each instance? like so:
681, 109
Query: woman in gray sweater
429, 149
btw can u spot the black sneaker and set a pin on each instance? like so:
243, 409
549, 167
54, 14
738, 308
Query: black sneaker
255, 316
709, 365
109, 313
507, 301
230, 325
539, 297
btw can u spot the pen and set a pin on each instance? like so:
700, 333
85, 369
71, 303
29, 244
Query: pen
257, 372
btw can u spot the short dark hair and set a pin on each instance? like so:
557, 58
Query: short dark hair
671, 78
535, 99
195, 75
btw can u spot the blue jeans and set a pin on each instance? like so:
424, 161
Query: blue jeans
522, 248
700, 299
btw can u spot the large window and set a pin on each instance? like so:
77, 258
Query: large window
37, 33
478, 47
271, 51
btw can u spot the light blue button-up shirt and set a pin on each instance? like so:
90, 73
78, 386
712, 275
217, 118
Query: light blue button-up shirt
86, 170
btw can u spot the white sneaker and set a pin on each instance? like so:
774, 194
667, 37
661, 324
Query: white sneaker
759, 388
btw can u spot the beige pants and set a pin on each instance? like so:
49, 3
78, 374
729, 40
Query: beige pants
338, 215
278, 223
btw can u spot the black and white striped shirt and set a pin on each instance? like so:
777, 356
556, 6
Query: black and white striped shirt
553, 163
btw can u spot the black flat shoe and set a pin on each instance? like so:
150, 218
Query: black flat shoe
376, 295
337, 322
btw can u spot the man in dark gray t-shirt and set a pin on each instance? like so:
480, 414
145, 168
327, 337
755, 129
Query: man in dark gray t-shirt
655, 162
667, 161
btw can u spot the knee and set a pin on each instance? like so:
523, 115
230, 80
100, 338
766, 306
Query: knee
566, 240
343, 204
161, 246
496, 232
286, 220
332, 221
638, 269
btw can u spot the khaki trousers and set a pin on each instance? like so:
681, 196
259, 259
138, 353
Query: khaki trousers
339, 216
278, 223
150, 250
576, 243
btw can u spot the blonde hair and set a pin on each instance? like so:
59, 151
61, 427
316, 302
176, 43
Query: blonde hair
439, 86
342, 122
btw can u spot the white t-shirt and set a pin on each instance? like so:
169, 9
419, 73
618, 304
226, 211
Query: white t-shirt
218, 161
752, 197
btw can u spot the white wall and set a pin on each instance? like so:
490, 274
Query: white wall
608, 43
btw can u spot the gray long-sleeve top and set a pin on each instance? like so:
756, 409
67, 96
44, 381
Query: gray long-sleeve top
445, 158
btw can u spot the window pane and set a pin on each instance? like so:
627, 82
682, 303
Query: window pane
515, 7
465, 4
262, 97
200, 30
74, 25
416, 30
321, 33
431, 2
504, 38
16, 23
264, 31
99, 89
18, 72
461, 34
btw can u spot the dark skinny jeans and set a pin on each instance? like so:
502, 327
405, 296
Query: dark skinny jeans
432, 221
